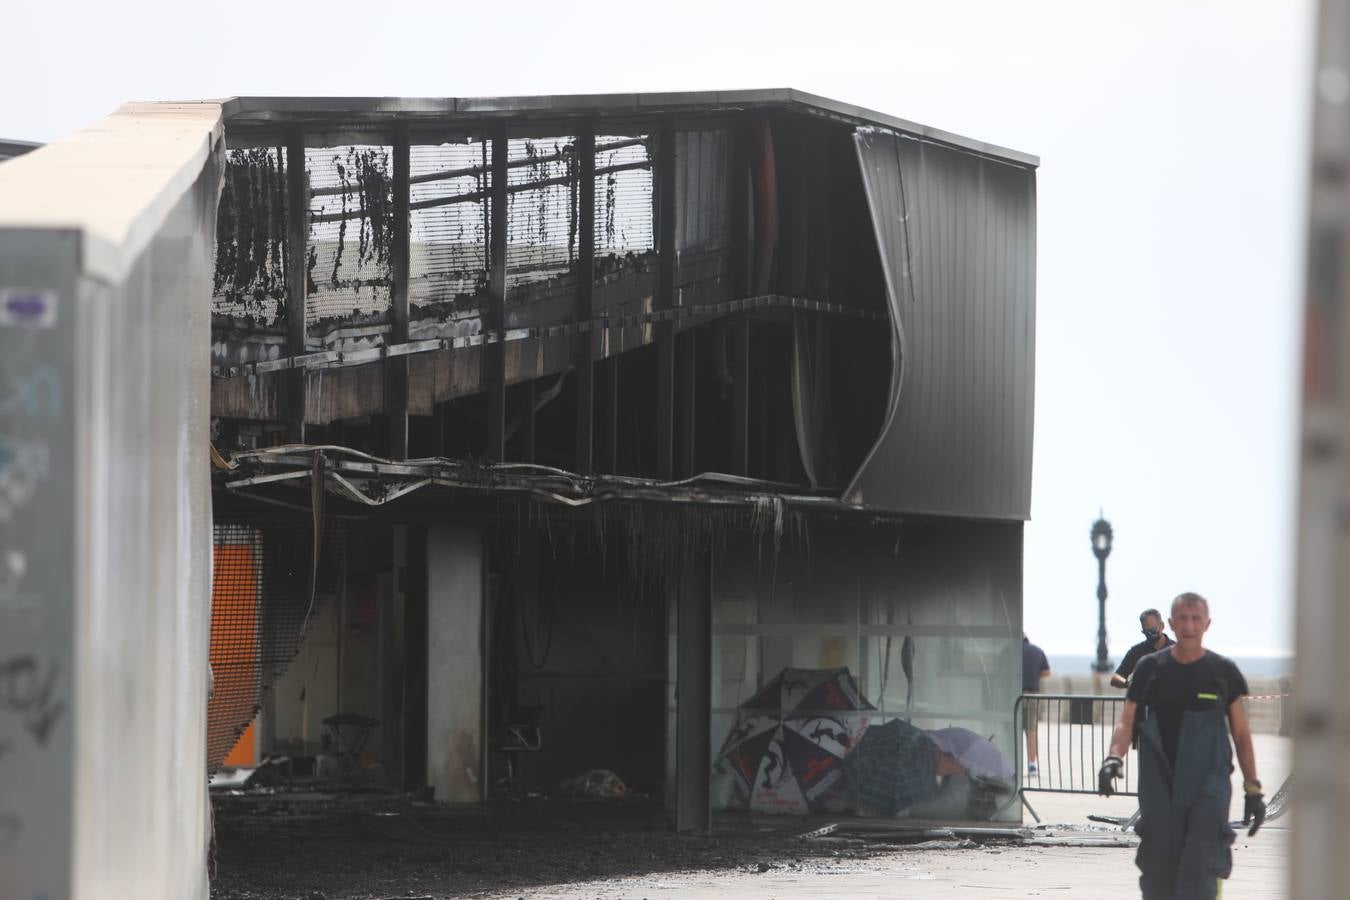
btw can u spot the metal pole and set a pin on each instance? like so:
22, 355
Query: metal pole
493, 358
297, 239
665, 299
1102, 664
583, 356
1101, 548
396, 369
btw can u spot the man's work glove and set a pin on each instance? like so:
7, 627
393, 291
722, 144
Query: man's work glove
1107, 775
1254, 809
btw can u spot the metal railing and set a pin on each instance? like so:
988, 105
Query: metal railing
1073, 736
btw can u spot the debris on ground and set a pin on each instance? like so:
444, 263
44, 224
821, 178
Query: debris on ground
820, 832
598, 784
341, 842
349, 843
957, 844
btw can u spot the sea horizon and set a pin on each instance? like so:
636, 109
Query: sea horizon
1251, 665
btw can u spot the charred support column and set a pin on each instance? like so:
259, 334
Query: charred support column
396, 368
688, 371
610, 414
529, 397
819, 225
297, 239
693, 695
414, 762
739, 349
454, 642
740, 396
665, 299
493, 358
392, 631
582, 357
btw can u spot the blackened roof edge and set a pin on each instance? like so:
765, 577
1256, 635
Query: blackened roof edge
353, 110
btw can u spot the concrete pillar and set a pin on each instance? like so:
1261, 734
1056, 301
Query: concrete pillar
105, 507
455, 663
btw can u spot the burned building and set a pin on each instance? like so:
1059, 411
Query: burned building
589, 415
545, 433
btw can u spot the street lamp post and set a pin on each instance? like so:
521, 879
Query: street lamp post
1101, 548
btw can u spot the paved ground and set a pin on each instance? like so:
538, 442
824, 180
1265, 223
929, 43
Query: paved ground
992, 871
989, 873
323, 847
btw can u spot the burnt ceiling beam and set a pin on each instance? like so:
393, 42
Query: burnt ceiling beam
441, 370
493, 357
769, 307
665, 298
583, 364
297, 239
396, 368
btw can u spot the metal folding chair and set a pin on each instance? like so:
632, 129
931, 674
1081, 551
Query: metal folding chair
350, 732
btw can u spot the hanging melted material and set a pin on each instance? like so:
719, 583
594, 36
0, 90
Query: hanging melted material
250, 275
349, 274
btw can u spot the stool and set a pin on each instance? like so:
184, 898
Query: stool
520, 736
350, 732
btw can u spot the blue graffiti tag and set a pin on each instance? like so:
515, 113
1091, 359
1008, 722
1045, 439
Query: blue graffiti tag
36, 393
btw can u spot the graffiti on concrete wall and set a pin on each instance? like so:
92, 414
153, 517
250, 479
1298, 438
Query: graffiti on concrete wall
28, 689
35, 393
24, 466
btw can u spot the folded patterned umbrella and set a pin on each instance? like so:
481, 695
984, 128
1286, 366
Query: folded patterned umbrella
786, 748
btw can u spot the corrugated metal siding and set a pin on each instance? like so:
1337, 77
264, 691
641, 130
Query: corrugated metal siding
957, 235
702, 216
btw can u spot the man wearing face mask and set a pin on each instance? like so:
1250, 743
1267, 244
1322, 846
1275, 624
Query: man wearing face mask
1155, 639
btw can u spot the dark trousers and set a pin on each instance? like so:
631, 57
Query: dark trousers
1183, 853
1185, 844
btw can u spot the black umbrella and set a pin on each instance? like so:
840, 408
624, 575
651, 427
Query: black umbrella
891, 767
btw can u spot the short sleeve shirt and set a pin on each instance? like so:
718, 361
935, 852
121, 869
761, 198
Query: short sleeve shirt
1138, 652
1033, 664
1169, 689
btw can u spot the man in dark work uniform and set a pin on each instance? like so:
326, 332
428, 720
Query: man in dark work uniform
1194, 698
1155, 639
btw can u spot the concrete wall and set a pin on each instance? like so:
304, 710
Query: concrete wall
106, 244
455, 664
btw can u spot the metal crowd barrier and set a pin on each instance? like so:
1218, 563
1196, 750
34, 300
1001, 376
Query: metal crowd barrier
1073, 736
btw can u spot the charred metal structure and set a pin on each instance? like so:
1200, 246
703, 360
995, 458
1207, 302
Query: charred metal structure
551, 429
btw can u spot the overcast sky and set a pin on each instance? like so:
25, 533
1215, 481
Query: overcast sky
1172, 138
